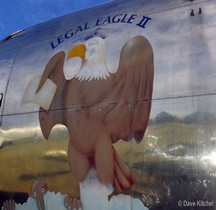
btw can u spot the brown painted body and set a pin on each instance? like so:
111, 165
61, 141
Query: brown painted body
37, 191
98, 113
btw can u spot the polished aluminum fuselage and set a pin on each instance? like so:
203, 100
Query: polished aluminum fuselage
177, 157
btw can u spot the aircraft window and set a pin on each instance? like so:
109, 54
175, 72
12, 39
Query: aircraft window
1, 99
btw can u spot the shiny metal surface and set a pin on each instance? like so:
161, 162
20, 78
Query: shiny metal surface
176, 160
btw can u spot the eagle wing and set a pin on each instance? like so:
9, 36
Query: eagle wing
136, 64
54, 72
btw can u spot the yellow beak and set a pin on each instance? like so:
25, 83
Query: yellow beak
78, 51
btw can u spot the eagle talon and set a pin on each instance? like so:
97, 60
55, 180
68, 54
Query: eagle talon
8, 205
72, 203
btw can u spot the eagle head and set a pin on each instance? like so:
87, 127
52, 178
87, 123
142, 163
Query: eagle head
87, 61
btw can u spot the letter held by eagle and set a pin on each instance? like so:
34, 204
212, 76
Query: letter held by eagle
97, 106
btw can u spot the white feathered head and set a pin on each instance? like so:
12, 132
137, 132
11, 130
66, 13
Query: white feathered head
87, 61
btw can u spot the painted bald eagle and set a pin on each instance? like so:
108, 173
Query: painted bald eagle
97, 106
